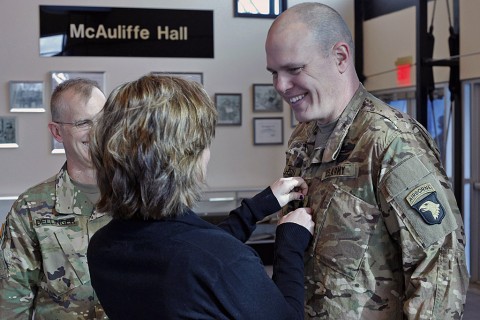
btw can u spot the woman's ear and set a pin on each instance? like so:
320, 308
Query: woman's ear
55, 131
342, 56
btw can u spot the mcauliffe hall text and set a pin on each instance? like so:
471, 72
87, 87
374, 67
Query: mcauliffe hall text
128, 32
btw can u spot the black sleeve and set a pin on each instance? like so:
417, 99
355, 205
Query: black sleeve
241, 222
245, 290
288, 267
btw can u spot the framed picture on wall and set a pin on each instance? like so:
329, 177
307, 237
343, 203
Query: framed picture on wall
229, 108
8, 132
192, 76
266, 99
259, 8
58, 77
267, 131
26, 96
57, 147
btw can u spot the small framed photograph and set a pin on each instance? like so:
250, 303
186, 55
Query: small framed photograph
229, 107
8, 132
58, 77
26, 96
267, 131
259, 9
192, 76
57, 147
266, 99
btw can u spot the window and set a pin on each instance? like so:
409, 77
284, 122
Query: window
403, 100
471, 174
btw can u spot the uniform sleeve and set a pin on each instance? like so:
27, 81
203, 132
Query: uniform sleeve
20, 264
422, 216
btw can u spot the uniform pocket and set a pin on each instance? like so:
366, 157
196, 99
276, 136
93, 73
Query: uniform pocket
65, 268
344, 227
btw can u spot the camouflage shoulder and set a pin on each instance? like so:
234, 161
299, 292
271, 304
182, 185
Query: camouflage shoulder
39, 190
401, 121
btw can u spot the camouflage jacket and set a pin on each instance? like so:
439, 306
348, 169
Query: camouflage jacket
43, 254
389, 240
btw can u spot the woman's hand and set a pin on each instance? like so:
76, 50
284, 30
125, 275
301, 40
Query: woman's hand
301, 216
288, 189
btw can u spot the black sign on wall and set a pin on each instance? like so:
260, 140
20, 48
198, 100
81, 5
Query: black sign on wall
125, 32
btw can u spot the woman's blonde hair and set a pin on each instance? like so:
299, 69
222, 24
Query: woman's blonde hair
147, 147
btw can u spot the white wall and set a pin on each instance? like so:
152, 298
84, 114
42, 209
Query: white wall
383, 45
469, 39
239, 62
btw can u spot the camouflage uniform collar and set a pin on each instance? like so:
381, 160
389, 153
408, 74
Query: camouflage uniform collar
334, 144
69, 199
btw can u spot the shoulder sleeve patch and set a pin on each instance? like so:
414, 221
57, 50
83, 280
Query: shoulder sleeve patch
424, 200
426, 207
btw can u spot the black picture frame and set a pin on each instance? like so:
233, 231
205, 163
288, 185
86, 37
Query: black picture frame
266, 98
268, 131
229, 108
269, 9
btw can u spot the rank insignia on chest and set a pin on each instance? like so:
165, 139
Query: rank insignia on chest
424, 200
291, 172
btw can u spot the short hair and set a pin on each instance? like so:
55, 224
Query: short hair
82, 87
327, 25
147, 147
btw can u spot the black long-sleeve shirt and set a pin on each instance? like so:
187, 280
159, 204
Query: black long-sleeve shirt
187, 268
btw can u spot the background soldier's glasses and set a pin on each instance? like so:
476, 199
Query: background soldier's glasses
80, 124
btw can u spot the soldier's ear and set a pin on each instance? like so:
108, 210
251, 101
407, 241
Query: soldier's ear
342, 55
55, 131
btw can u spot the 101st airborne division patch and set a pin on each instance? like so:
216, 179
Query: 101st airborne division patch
424, 200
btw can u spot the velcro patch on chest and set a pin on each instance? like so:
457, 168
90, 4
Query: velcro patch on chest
346, 170
424, 200
56, 222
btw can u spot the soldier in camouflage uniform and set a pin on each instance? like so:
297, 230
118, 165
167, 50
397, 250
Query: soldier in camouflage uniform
389, 240
43, 262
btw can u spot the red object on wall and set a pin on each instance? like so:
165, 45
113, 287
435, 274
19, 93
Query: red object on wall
404, 74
